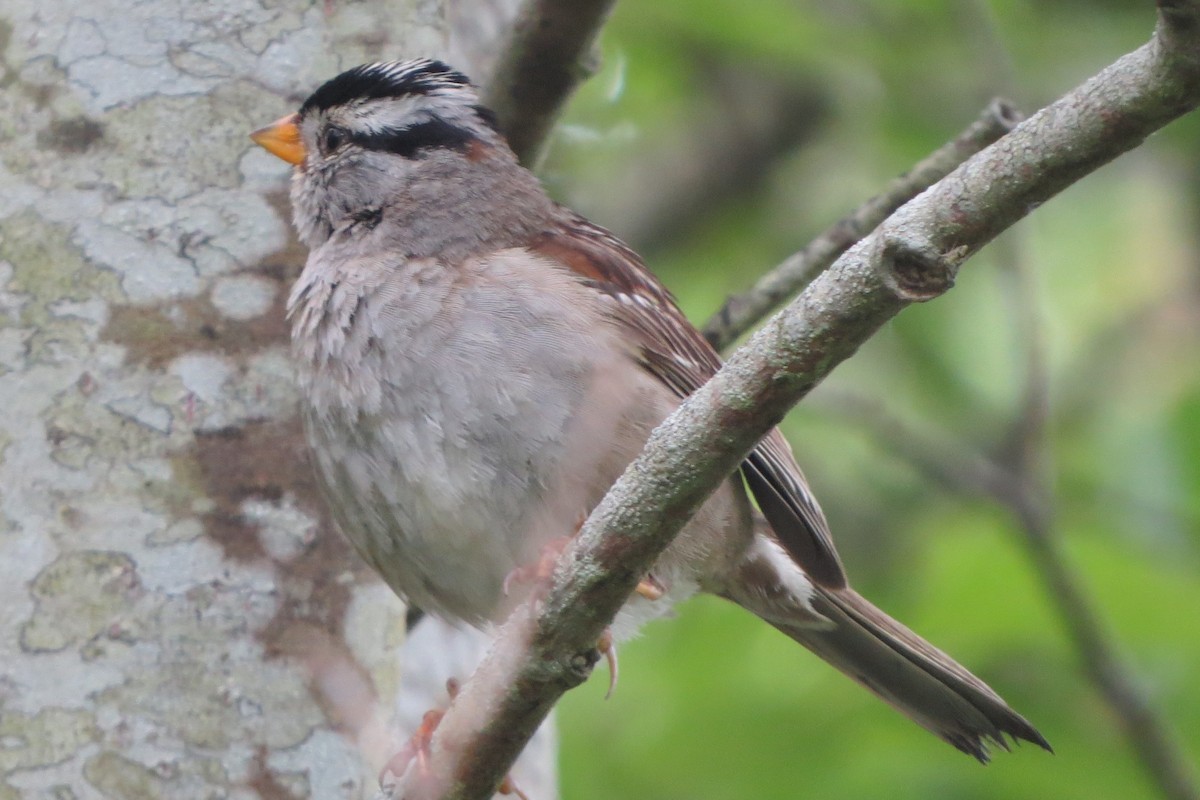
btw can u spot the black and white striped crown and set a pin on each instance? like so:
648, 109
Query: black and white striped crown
418, 76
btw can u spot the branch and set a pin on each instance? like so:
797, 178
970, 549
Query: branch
717, 157
436, 652
478, 32
547, 55
740, 312
547, 647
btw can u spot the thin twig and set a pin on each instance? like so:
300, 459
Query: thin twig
1024, 495
741, 312
547, 647
547, 55
1159, 752
1027, 447
717, 157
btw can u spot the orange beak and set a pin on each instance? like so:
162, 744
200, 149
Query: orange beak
282, 138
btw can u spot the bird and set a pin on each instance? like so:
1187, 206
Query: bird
478, 364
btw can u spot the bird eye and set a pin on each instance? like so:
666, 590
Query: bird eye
335, 137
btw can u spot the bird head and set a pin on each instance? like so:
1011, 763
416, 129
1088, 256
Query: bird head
361, 139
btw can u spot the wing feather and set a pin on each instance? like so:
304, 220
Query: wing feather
671, 349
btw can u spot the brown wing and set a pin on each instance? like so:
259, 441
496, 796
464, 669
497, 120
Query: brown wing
675, 352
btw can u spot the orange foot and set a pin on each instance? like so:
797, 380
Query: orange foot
609, 649
507, 787
540, 571
417, 747
651, 587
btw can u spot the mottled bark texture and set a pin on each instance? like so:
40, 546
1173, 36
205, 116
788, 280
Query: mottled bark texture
914, 256
180, 620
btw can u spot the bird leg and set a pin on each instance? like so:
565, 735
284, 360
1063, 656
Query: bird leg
649, 587
539, 571
508, 786
418, 747
608, 648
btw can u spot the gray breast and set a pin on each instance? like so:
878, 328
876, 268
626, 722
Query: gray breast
438, 404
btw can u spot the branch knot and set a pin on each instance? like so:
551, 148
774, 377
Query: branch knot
916, 273
579, 666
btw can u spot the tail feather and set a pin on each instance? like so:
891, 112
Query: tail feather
908, 672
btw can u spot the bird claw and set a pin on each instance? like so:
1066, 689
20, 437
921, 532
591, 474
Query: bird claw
650, 587
608, 648
540, 570
509, 786
417, 746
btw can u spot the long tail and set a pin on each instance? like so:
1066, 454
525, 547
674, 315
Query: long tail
908, 672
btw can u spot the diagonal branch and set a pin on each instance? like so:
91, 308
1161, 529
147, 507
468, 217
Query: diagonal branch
547, 647
547, 55
740, 312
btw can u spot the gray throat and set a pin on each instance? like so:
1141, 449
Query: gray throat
439, 205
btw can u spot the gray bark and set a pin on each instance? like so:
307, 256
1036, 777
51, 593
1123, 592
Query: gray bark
179, 617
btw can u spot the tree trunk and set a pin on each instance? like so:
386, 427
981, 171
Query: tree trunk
180, 619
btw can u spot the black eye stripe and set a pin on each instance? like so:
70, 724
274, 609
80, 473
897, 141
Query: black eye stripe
408, 142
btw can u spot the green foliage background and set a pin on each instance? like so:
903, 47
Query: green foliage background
716, 705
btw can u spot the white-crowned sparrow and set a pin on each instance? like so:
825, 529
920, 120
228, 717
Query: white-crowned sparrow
479, 364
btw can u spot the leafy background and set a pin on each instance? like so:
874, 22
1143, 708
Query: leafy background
716, 705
